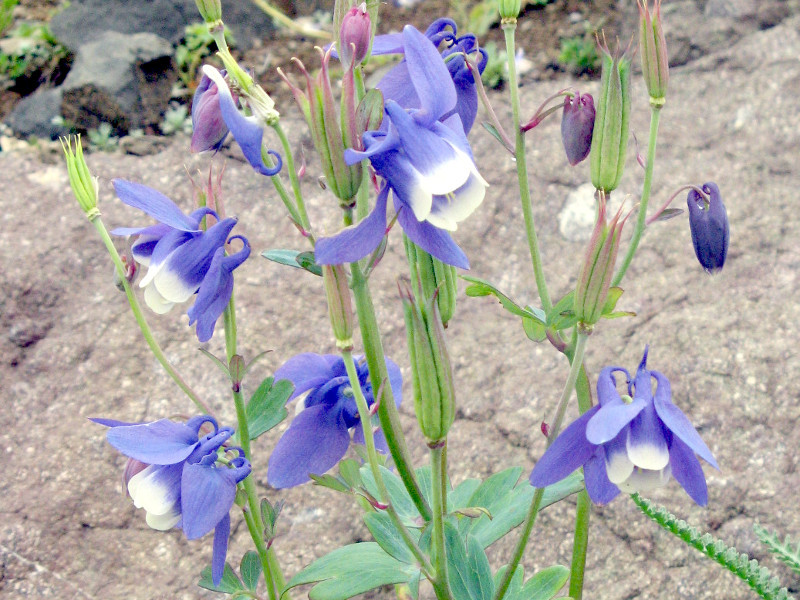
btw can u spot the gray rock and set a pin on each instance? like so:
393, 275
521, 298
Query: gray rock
731, 8
86, 20
124, 80
34, 115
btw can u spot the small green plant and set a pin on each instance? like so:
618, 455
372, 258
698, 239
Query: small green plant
6, 14
579, 55
29, 48
197, 46
103, 138
176, 119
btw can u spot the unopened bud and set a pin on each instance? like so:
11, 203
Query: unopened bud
208, 127
653, 49
708, 221
611, 125
210, 10
84, 186
577, 124
434, 392
594, 278
354, 36
432, 279
509, 9
340, 309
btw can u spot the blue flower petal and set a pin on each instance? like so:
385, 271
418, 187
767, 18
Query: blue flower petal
396, 86
221, 534
388, 43
429, 75
687, 471
646, 442
306, 371
569, 451
207, 494
162, 442
614, 414
395, 380
153, 203
380, 440
433, 240
247, 131
676, 421
315, 441
355, 242
598, 486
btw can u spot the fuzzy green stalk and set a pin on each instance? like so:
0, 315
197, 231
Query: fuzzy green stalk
509, 27
374, 465
136, 308
439, 498
527, 527
638, 231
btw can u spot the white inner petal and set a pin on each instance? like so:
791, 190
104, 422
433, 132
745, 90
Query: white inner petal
447, 176
151, 492
157, 303
163, 522
172, 286
645, 480
651, 454
450, 209
618, 466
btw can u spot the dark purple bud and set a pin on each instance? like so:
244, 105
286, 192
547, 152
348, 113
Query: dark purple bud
355, 35
208, 127
577, 124
708, 220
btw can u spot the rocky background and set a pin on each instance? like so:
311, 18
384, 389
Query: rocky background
71, 350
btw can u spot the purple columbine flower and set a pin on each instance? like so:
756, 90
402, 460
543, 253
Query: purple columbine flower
708, 221
208, 127
320, 433
247, 131
181, 258
630, 445
422, 153
182, 484
577, 123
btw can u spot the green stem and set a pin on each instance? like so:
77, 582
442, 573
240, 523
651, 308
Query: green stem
580, 543
379, 377
263, 551
374, 464
298, 195
439, 494
509, 28
555, 428
136, 308
638, 231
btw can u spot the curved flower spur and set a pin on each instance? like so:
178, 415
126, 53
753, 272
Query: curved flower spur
181, 258
631, 443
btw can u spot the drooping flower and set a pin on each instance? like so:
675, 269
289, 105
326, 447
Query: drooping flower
708, 221
577, 124
182, 483
208, 127
319, 435
423, 155
247, 131
629, 444
181, 258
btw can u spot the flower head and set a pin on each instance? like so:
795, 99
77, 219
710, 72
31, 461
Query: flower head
422, 153
182, 483
208, 127
708, 221
577, 124
320, 433
631, 444
181, 258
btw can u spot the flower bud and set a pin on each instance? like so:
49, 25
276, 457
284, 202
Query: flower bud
434, 393
653, 48
594, 278
84, 186
610, 134
509, 9
354, 36
208, 127
340, 310
577, 124
432, 278
210, 10
708, 221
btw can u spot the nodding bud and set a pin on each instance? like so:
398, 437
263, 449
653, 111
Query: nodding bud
210, 10
434, 392
208, 127
611, 125
432, 280
708, 221
340, 309
577, 123
653, 49
354, 36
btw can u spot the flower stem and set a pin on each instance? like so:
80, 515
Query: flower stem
509, 27
439, 497
379, 377
580, 543
136, 308
638, 231
298, 195
555, 427
369, 440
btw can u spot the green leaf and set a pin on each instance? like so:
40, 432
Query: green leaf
514, 586
546, 583
459, 497
351, 570
294, 258
349, 469
267, 406
230, 581
614, 294
787, 551
468, 567
481, 287
535, 330
562, 315
388, 537
397, 494
331, 482
250, 570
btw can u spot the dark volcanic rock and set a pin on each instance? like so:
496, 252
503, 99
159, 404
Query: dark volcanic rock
34, 115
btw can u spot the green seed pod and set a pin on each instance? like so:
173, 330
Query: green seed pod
340, 310
612, 121
432, 278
